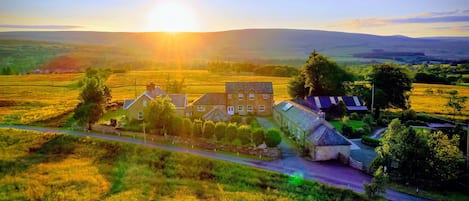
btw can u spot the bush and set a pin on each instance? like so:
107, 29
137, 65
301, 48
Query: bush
272, 137
250, 119
347, 131
197, 128
175, 125
368, 119
236, 119
258, 136
244, 134
230, 132
355, 116
186, 129
409, 114
415, 123
209, 129
220, 129
370, 141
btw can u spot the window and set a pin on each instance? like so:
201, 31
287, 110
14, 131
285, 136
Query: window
229, 96
261, 108
140, 116
265, 96
200, 108
240, 108
144, 103
251, 96
241, 96
250, 108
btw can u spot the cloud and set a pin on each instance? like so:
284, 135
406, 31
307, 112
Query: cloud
429, 17
18, 26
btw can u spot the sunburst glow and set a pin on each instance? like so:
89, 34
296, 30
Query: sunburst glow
172, 17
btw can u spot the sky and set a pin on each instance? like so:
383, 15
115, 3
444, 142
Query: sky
414, 18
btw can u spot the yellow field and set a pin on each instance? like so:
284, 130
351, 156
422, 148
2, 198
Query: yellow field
435, 104
197, 82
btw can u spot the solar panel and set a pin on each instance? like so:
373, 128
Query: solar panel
287, 107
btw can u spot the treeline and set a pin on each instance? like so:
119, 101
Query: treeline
266, 70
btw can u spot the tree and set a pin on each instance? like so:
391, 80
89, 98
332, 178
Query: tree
258, 136
272, 137
443, 156
175, 125
394, 84
377, 187
159, 112
244, 134
297, 88
324, 77
456, 102
231, 131
209, 129
187, 129
220, 128
92, 98
197, 128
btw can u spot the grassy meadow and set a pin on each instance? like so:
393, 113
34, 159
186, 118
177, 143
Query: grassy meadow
48, 166
434, 104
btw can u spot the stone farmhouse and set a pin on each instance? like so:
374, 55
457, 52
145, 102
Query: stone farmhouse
134, 108
311, 131
240, 98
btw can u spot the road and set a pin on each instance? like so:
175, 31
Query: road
332, 173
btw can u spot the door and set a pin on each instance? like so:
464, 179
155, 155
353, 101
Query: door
231, 110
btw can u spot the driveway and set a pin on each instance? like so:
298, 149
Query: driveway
332, 173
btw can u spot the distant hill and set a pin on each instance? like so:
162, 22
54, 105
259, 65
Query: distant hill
259, 45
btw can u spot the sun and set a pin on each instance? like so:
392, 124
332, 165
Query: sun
172, 17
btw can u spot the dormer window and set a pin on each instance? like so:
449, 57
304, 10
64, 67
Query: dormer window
240, 96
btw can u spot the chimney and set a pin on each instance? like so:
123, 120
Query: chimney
150, 86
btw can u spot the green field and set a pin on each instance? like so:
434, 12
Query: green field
48, 166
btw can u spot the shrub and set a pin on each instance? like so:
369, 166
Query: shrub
368, 119
220, 128
175, 126
345, 120
236, 119
347, 131
250, 119
197, 128
370, 141
258, 136
409, 114
355, 116
230, 132
186, 129
272, 137
244, 134
209, 129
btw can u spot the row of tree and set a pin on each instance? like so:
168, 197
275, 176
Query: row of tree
267, 70
160, 116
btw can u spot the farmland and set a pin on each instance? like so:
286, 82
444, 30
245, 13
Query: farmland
48, 166
26, 99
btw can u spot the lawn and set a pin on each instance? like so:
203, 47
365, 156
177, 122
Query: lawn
355, 124
48, 166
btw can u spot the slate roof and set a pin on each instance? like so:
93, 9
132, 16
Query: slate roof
257, 87
352, 103
179, 100
320, 132
127, 103
211, 99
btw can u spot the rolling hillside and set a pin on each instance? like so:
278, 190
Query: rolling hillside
282, 46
